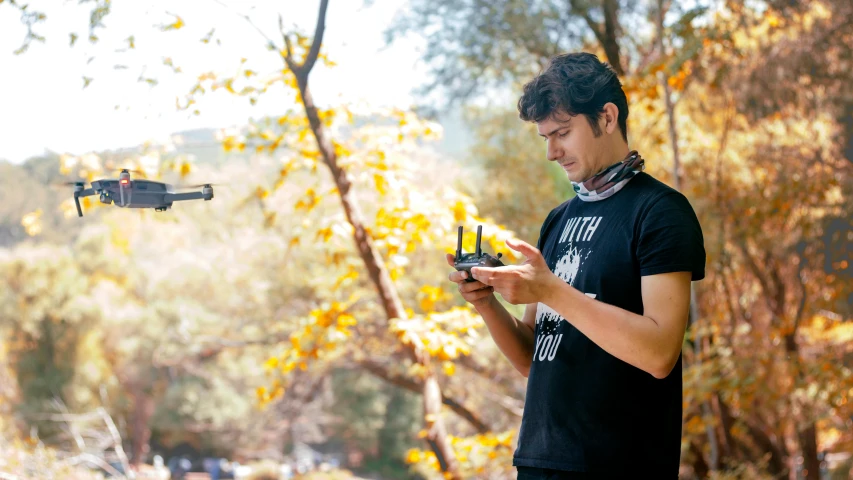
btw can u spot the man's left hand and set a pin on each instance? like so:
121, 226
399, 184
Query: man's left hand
520, 284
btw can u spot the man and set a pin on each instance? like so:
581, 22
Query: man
607, 290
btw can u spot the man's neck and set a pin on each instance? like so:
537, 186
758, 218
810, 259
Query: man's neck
620, 153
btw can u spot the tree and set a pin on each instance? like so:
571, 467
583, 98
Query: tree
402, 224
766, 258
476, 46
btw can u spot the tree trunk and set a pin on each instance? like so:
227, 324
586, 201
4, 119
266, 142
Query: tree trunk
143, 409
700, 468
670, 108
713, 442
607, 34
436, 432
806, 434
808, 445
610, 39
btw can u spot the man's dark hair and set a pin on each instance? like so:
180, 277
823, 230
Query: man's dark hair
574, 84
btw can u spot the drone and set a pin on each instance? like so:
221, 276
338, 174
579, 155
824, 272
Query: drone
127, 193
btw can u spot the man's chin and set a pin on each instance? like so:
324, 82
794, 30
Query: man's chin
573, 177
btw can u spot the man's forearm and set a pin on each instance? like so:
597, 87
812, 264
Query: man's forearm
634, 339
513, 337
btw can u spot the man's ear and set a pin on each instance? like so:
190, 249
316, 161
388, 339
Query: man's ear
610, 117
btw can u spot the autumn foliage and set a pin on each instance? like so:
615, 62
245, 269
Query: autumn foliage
319, 294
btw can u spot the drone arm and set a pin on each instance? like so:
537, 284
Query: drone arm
177, 197
83, 193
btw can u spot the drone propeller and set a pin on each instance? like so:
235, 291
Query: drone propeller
129, 170
202, 185
68, 183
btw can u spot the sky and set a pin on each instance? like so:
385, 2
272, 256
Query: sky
44, 107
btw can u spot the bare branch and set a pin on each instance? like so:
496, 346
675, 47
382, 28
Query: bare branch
801, 306
270, 43
318, 39
757, 272
88, 457
116, 438
510, 404
72, 427
409, 384
288, 56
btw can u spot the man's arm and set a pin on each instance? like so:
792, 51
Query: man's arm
513, 337
651, 341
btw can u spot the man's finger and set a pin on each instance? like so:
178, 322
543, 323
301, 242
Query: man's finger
523, 248
479, 294
457, 276
467, 287
450, 258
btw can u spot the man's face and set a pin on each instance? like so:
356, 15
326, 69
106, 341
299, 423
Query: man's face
572, 143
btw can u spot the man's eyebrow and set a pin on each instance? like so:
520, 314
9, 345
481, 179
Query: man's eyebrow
555, 130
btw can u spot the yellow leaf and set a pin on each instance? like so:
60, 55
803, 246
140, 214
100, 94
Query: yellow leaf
381, 183
186, 168
272, 362
449, 368
346, 320
32, 223
177, 24
413, 456
351, 275
460, 211
326, 233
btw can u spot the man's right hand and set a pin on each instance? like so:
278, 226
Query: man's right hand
477, 293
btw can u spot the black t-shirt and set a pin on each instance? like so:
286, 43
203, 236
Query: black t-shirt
585, 409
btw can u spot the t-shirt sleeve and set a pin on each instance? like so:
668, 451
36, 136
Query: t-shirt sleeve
670, 239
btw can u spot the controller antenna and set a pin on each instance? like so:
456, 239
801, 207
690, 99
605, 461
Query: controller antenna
459, 244
479, 236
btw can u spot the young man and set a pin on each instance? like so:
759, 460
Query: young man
607, 290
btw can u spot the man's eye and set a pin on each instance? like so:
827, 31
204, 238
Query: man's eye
564, 133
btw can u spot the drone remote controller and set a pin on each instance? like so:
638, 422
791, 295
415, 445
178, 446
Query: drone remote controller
466, 261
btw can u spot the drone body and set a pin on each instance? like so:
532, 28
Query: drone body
127, 193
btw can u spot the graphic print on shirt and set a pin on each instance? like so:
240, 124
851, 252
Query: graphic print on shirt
573, 249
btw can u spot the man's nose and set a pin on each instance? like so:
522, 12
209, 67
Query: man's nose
554, 151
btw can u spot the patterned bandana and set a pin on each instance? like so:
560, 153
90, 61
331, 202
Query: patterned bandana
611, 180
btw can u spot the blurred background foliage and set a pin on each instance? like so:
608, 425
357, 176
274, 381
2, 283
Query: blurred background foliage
250, 327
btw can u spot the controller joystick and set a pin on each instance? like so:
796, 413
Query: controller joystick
466, 261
